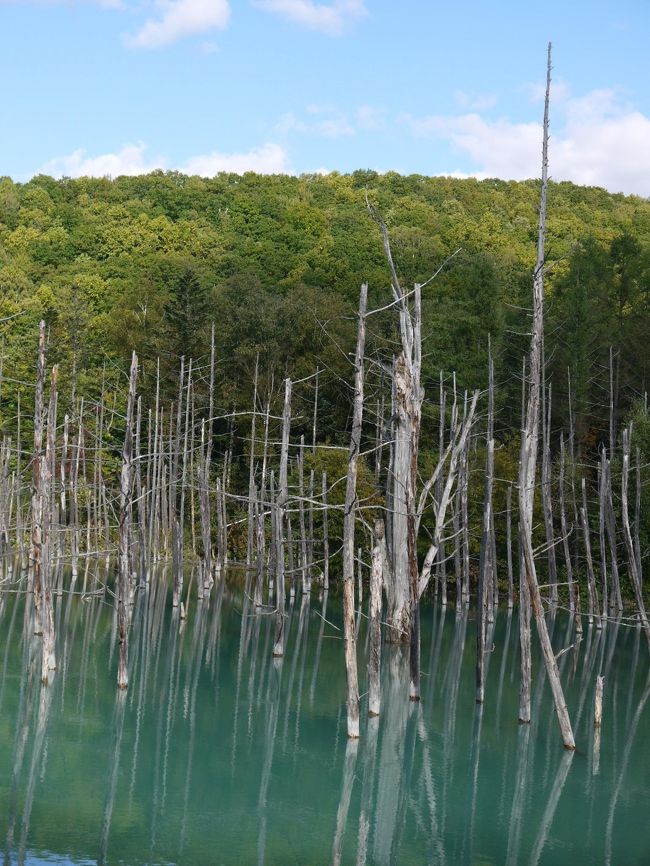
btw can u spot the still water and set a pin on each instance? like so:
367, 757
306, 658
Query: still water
218, 754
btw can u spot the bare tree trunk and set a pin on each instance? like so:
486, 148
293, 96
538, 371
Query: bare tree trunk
403, 599
627, 534
602, 504
47, 477
509, 546
529, 445
301, 516
441, 565
177, 529
326, 540
485, 563
610, 526
568, 564
206, 522
374, 621
126, 498
259, 536
637, 518
349, 514
547, 501
591, 580
279, 521
37, 484
524, 638
251, 474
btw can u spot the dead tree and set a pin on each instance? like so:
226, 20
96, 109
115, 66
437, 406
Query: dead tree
47, 478
37, 483
279, 509
126, 500
374, 620
349, 515
627, 533
402, 584
547, 498
486, 564
529, 445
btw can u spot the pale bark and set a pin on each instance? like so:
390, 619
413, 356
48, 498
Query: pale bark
47, 477
35, 584
126, 498
279, 521
627, 534
349, 514
529, 446
374, 621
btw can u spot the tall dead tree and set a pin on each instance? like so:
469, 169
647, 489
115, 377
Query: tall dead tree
126, 501
279, 509
37, 484
374, 620
486, 563
530, 440
632, 563
402, 586
47, 478
349, 515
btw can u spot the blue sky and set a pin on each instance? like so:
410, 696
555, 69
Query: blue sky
124, 86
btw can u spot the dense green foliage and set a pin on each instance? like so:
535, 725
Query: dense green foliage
276, 262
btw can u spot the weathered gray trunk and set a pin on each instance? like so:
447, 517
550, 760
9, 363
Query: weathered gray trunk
374, 620
47, 477
349, 515
627, 534
547, 501
509, 546
124, 558
591, 580
279, 521
250, 546
529, 445
326, 539
568, 563
485, 559
36, 571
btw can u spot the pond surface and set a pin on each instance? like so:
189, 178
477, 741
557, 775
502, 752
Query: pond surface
218, 754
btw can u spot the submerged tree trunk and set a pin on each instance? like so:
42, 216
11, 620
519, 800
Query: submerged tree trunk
37, 484
627, 533
126, 498
486, 563
374, 620
349, 514
47, 477
529, 446
279, 510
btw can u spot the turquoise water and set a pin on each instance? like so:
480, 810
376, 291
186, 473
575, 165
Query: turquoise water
218, 754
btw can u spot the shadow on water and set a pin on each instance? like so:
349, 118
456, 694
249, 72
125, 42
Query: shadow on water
219, 753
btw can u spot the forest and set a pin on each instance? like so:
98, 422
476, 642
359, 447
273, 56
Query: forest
275, 263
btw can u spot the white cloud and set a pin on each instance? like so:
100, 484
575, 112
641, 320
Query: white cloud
328, 122
131, 159
370, 118
329, 18
595, 141
268, 159
475, 102
178, 19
